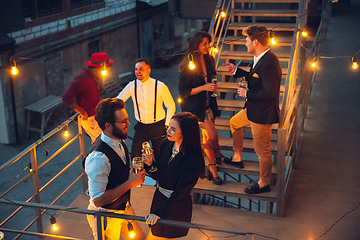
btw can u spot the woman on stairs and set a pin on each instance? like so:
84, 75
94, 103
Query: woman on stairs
196, 88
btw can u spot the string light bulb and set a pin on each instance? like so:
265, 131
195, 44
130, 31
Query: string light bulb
222, 13
272, 37
131, 230
355, 65
191, 61
179, 100
103, 71
54, 225
30, 168
14, 70
66, 132
304, 33
313, 63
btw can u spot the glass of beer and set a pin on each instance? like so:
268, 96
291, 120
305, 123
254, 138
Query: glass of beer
147, 151
137, 165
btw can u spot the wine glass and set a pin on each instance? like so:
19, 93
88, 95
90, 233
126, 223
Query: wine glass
137, 165
147, 151
214, 81
241, 81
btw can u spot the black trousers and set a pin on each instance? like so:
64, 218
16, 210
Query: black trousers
154, 133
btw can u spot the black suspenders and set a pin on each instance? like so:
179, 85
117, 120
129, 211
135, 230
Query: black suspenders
137, 105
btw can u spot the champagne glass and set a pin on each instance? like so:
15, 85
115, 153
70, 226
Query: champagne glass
147, 151
214, 81
241, 81
138, 165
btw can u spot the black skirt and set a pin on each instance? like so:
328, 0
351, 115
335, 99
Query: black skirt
182, 212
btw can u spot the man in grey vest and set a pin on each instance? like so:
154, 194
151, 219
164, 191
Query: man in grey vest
149, 96
108, 169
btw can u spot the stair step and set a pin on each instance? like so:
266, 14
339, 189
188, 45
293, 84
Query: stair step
289, 27
224, 124
230, 105
233, 86
232, 189
222, 70
266, 12
242, 55
268, 1
248, 145
250, 168
240, 40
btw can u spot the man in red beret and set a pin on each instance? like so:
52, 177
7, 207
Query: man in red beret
85, 90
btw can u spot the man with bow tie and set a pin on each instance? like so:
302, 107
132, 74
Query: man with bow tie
261, 109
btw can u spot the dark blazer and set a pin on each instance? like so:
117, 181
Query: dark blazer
180, 175
264, 88
196, 104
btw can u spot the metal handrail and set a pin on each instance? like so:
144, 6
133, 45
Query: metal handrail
100, 214
35, 167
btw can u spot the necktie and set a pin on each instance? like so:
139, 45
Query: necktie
122, 153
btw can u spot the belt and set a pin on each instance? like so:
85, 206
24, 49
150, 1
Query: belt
166, 192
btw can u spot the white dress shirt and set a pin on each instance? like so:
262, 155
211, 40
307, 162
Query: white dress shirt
256, 59
98, 167
146, 99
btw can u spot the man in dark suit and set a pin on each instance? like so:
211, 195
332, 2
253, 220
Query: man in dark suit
261, 109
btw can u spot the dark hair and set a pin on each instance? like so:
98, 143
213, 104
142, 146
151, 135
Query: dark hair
105, 110
193, 48
258, 32
145, 60
189, 125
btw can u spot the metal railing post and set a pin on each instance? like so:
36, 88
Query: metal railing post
280, 199
100, 226
82, 151
35, 180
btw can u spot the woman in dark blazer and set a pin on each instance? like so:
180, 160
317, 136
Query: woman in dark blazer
180, 164
195, 90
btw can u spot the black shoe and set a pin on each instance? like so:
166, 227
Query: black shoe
231, 162
255, 189
216, 181
218, 160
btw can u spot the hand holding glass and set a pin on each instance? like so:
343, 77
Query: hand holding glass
214, 81
137, 165
148, 153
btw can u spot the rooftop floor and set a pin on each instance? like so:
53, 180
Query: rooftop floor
324, 187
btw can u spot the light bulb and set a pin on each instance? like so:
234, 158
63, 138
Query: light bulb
179, 100
223, 14
131, 230
191, 65
304, 33
66, 133
313, 64
103, 71
54, 225
355, 65
272, 37
191, 61
14, 70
